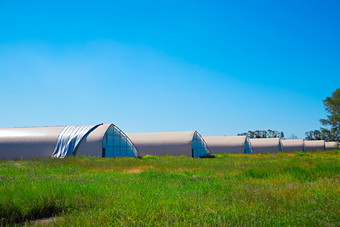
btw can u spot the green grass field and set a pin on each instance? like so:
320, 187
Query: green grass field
284, 189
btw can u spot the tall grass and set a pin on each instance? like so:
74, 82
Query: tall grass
282, 189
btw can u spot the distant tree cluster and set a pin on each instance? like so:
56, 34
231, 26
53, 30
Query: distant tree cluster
263, 134
332, 105
318, 135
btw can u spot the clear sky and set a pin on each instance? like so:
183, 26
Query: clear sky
218, 67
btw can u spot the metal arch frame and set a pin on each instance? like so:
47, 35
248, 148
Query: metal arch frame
303, 146
280, 146
127, 139
205, 144
120, 131
249, 144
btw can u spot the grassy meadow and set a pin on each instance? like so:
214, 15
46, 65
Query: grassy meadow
300, 188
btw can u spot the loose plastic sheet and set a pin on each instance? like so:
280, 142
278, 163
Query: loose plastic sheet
70, 138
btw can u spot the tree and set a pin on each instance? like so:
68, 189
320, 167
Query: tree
262, 134
332, 105
315, 135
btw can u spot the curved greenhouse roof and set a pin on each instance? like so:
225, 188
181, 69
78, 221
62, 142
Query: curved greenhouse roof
265, 145
314, 145
291, 145
60, 141
190, 143
331, 145
227, 144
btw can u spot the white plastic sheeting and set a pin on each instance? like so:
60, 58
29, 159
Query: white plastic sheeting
291, 145
314, 145
226, 144
189, 143
28, 142
331, 145
69, 139
265, 145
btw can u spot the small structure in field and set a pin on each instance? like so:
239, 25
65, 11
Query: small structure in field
61, 141
228, 144
189, 143
314, 145
265, 145
291, 145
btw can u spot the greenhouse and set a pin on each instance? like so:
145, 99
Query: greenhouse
61, 141
291, 145
228, 144
265, 145
331, 145
314, 145
189, 144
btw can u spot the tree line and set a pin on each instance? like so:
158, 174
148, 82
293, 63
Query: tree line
332, 133
262, 134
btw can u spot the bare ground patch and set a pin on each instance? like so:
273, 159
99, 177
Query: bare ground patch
137, 170
46, 221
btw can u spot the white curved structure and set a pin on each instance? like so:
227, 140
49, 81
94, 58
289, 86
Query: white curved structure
190, 144
331, 145
265, 145
314, 145
69, 139
228, 144
31, 142
292, 145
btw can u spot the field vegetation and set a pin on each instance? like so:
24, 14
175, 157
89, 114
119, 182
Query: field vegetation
300, 188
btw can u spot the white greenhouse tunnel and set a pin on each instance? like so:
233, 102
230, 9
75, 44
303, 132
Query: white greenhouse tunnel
107, 140
190, 144
60, 141
228, 144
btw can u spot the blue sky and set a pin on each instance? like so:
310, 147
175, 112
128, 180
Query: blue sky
219, 67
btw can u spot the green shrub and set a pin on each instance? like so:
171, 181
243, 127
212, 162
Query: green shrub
149, 157
209, 156
222, 155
